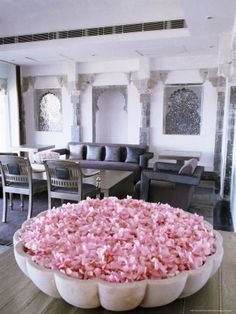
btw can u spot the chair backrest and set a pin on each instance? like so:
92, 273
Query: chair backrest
15, 169
8, 154
63, 174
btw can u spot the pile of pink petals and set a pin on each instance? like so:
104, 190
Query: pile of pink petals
118, 240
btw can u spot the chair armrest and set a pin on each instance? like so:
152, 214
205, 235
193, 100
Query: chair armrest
143, 159
62, 151
147, 176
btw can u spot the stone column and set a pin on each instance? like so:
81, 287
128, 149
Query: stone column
26, 83
230, 141
144, 130
220, 84
76, 89
76, 124
144, 87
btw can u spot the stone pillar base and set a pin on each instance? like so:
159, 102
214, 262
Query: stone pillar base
76, 133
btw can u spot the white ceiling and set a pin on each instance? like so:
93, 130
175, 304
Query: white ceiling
206, 21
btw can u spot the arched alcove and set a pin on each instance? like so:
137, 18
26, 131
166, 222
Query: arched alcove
110, 119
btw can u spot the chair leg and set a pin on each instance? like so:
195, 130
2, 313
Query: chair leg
30, 206
21, 202
49, 202
4, 210
11, 201
62, 201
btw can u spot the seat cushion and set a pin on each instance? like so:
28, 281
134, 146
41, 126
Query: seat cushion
87, 188
62, 173
13, 168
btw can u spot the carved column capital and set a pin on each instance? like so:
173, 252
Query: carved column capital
3, 85
27, 81
145, 86
218, 82
129, 77
85, 80
62, 80
204, 73
163, 76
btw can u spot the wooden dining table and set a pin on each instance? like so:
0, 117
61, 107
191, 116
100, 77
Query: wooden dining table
19, 295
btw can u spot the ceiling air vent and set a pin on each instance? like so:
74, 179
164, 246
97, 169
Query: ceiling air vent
98, 31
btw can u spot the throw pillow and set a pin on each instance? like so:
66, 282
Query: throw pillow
94, 152
112, 153
133, 154
189, 167
76, 151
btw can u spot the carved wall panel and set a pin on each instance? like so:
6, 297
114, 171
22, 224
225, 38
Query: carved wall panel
48, 110
182, 109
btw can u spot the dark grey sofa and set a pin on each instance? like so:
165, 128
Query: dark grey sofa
126, 157
169, 183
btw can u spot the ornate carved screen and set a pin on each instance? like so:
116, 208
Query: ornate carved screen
48, 110
182, 109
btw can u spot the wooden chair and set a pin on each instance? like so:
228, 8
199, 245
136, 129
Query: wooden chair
65, 181
17, 179
6, 154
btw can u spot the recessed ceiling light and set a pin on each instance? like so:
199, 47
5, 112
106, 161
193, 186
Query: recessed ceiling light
211, 46
210, 17
93, 55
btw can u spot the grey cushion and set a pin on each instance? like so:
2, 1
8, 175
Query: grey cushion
93, 152
133, 154
13, 169
189, 167
112, 153
62, 173
76, 151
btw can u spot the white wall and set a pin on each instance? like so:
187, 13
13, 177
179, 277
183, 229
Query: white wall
111, 118
46, 77
11, 110
116, 73
42, 137
133, 106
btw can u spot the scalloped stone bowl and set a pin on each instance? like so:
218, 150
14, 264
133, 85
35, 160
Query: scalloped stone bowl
92, 293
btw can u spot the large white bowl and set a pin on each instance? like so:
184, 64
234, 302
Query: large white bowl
92, 293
